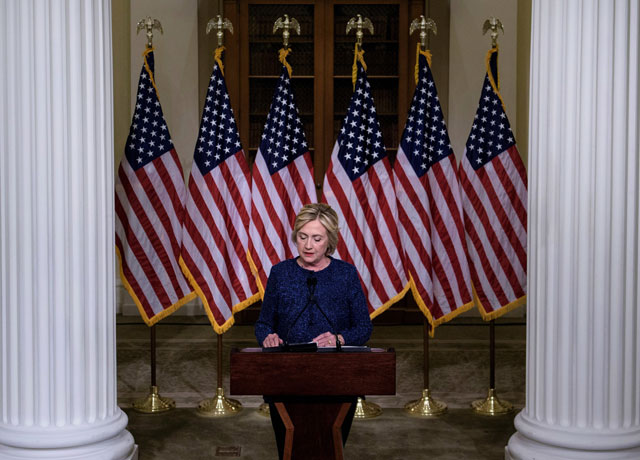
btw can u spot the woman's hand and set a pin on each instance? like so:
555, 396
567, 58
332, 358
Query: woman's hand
272, 340
328, 339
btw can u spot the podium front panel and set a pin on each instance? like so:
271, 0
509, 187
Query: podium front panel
254, 372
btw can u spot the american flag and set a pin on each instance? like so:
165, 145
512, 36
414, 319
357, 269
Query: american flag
359, 187
215, 237
149, 207
494, 184
282, 183
429, 208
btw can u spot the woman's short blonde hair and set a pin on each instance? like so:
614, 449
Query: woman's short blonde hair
327, 217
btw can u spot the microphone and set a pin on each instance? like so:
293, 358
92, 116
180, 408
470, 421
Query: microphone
312, 281
331, 325
311, 286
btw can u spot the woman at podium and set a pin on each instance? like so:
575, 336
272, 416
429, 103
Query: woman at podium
313, 298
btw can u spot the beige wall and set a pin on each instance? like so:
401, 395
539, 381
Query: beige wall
468, 49
176, 67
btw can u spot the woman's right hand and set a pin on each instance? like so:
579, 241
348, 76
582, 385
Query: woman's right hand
272, 340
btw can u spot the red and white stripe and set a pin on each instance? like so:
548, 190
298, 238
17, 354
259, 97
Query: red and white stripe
215, 239
369, 236
149, 210
432, 234
495, 210
275, 201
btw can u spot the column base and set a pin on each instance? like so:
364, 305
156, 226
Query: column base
536, 440
120, 447
522, 448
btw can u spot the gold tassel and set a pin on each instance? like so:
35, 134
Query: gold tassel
218, 57
494, 79
284, 52
426, 54
146, 66
358, 55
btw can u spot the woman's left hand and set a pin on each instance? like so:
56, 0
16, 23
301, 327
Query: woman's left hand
328, 339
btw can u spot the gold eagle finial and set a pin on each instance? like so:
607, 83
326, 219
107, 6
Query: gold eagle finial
359, 23
219, 24
424, 25
149, 24
286, 24
492, 24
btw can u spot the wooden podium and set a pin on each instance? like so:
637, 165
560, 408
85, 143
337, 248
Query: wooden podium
313, 391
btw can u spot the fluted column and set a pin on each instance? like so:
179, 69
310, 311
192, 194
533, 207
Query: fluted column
583, 323
57, 317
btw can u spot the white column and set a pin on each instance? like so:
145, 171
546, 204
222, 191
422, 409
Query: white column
583, 322
57, 317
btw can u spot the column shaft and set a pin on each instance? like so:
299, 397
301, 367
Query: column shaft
57, 307
583, 345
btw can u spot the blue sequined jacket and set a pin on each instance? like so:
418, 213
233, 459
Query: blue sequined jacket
338, 293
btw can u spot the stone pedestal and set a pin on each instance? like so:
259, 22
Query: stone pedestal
57, 310
583, 322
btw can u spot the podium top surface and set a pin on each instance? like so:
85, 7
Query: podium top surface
254, 372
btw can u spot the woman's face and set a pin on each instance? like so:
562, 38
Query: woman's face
312, 242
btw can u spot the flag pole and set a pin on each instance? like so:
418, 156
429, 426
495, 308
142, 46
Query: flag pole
425, 406
491, 405
364, 409
219, 405
153, 402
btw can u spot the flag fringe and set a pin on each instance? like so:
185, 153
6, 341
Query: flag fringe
164, 313
488, 316
255, 271
219, 329
390, 302
425, 310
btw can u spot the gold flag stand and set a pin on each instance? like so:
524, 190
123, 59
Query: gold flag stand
491, 405
264, 410
153, 403
220, 405
366, 410
425, 406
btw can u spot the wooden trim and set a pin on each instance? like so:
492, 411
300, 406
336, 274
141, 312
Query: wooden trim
319, 166
403, 70
328, 87
337, 429
243, 76
288, 425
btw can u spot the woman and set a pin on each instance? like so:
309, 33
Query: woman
302, 291
313, 297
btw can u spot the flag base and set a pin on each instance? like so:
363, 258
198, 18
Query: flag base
154, 403
264, 410
425, 406
219, 406
366, 409
491, 405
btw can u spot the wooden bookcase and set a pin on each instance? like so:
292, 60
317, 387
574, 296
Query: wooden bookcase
321, 59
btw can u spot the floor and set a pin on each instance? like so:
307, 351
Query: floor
459, 373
